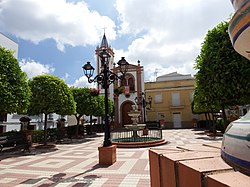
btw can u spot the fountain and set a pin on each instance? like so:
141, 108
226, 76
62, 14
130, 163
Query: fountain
136, 135
134, 114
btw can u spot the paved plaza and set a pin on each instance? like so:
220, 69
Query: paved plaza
76, 164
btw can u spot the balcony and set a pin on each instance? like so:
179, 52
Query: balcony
177, 107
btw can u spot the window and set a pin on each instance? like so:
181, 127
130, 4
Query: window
191, 96
50, 117
131, 84
158, 98
128, 81
176, 99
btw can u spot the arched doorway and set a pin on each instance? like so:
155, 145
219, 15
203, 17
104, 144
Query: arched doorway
126, 107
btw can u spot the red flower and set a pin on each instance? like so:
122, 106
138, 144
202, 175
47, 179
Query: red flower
94, 92
119, 90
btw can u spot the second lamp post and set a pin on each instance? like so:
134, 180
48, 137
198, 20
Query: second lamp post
142, 101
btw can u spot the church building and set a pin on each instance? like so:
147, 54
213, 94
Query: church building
123, 92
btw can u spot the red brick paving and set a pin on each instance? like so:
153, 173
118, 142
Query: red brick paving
75, 165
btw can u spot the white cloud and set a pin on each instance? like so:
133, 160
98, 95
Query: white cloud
177, 20
66, 23
82, 82
164, 34
32, 68
168, 34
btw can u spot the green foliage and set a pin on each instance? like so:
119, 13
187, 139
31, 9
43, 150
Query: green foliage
81, 97
201, 103
50, 95
37, 136
71, 130
223, 75
10, 133
14, 88
87, 104
119, 90
99, 109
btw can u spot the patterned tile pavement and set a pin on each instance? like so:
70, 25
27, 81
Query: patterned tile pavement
76, 164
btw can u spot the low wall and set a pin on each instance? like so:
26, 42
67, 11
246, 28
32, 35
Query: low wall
196, 166
184, 125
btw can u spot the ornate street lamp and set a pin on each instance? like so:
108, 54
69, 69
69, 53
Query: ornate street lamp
142, 101
105, 78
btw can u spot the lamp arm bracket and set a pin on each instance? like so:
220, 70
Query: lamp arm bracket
90, 80
98, 78
112, 77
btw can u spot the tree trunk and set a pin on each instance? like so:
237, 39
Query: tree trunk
45, 130
77, 125
206, 116
91, 129
214, 124
210, 121
3, 117
224, 116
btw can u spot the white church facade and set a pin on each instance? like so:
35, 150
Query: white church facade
122, 92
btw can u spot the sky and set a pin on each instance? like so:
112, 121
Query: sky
58, 37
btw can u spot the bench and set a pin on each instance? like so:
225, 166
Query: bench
14, 140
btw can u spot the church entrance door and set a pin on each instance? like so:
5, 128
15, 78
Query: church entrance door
126, 107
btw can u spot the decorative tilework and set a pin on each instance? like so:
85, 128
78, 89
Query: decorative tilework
75, 165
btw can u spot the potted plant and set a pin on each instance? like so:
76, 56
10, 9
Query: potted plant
119, 90
94, 92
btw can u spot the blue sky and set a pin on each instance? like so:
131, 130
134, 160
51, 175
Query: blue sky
58, 37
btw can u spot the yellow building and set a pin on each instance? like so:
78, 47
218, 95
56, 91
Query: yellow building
171, 100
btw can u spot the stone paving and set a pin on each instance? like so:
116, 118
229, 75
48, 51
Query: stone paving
76, 164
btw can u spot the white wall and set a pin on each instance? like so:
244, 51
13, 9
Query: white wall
9, 44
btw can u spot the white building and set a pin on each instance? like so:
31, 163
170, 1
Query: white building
9, 44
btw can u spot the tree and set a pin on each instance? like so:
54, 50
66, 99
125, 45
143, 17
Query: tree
96, 106
81, 97
89, 103
223, 75
50, 95
99, 110
14, 88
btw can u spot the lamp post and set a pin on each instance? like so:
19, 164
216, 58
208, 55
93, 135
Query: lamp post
142, 101
105, 78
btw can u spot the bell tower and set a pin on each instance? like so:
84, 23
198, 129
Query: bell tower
104, 46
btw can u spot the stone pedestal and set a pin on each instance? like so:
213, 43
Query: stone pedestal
107, 155
28, 135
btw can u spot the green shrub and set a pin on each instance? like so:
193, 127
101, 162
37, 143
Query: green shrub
37, 136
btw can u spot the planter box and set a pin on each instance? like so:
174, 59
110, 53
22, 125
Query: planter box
107, 155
